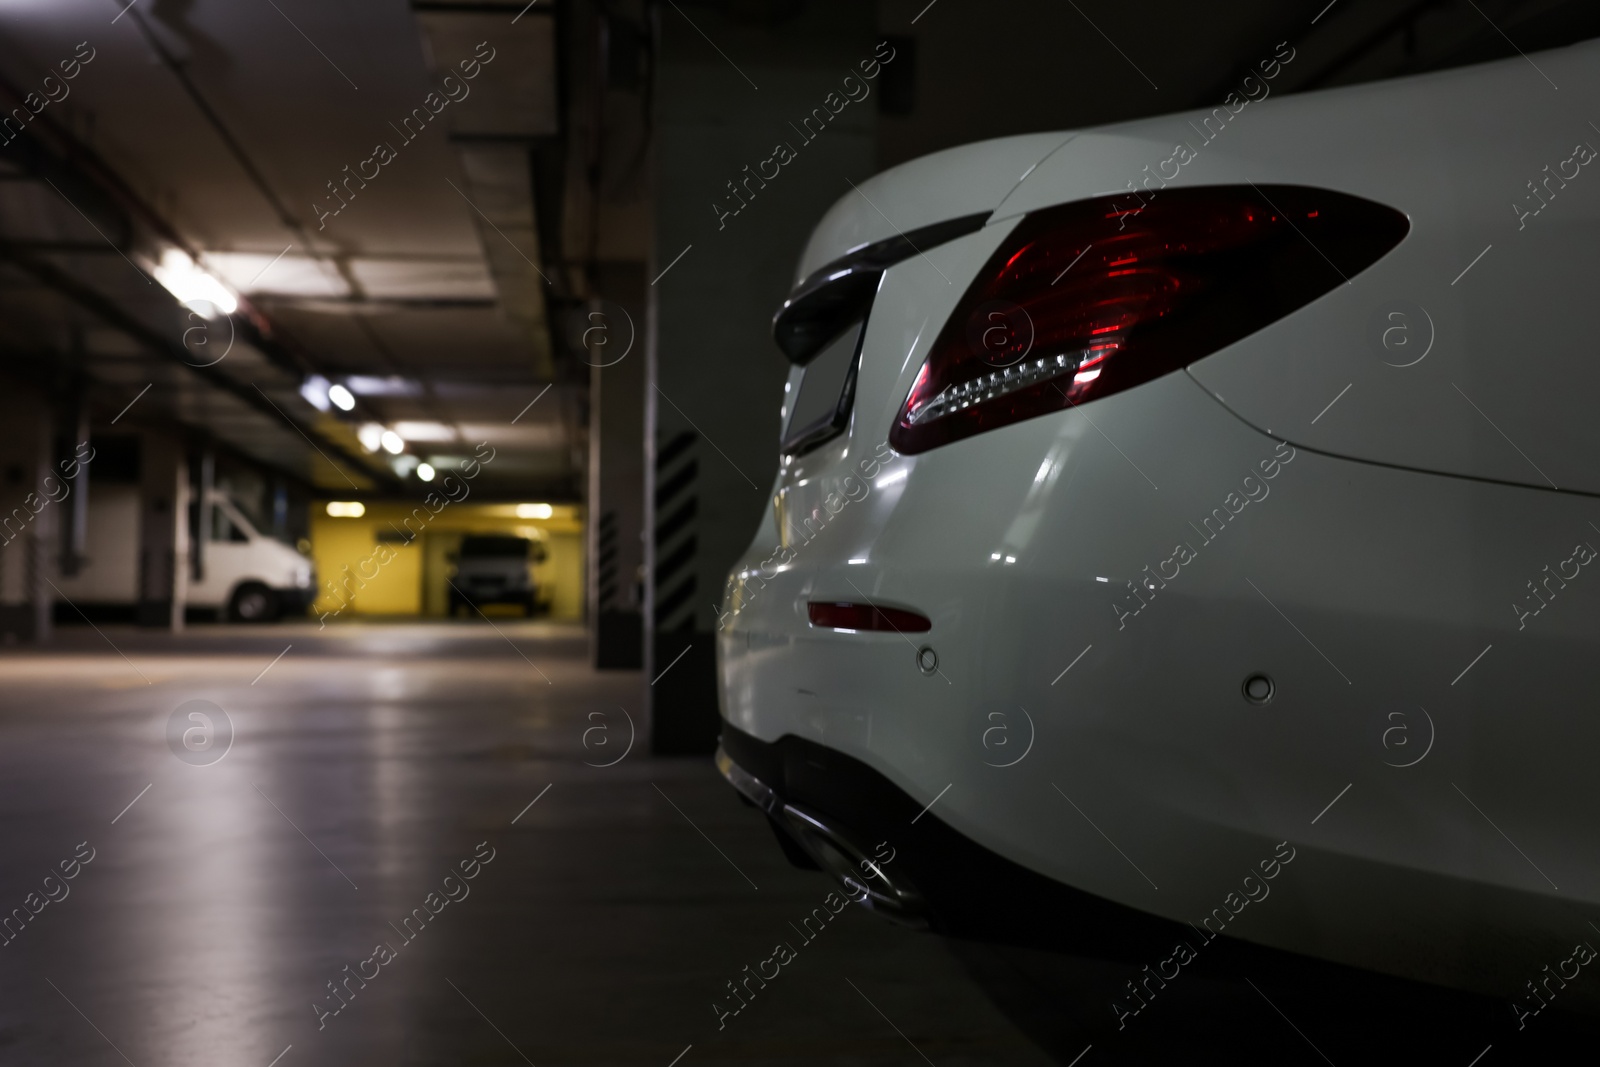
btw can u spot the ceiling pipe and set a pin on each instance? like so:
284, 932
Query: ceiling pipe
115, 316
99, 189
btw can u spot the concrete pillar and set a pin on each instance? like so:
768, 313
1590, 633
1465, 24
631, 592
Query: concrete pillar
725, 249
73, 442
44, 540
280, 509
32, 496
614, 340
203, 465
163, 531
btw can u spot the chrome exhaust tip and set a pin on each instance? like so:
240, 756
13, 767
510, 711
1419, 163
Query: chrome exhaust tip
874, 884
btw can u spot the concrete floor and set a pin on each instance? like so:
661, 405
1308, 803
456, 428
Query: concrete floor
370, 760
367, 763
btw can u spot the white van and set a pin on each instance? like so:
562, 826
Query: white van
245, 574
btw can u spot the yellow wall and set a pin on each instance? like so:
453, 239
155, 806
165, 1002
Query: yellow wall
398, 578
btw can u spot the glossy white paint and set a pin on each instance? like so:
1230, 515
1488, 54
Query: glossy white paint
1368, 593
946, 185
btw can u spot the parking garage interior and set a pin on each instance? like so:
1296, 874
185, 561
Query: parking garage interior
389, 386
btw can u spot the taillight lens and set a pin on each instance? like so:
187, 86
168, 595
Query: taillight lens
1090, 298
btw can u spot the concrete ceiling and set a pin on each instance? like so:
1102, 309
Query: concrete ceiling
241, 131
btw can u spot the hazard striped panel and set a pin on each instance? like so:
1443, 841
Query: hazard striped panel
677, 505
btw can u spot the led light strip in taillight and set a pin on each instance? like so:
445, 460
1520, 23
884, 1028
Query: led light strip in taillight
1082, 365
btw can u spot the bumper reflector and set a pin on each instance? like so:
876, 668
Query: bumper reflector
836, 615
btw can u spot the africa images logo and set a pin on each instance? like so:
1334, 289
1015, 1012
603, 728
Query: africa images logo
1401, 332
199, 733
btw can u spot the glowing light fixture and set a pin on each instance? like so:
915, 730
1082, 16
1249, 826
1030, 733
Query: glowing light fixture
392, 443
425, 471
315, 391
342, 398
371, 436
393, 385
535, 511
193, 286
424, 431
346, 509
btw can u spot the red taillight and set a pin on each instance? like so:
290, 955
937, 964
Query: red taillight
1094, 297
844, 616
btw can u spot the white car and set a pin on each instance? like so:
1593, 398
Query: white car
1192, 517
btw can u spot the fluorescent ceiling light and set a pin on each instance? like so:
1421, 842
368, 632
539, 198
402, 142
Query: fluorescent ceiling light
278, 271
535, 511
194, 288
424, 431
369, 385
371, 436
341, 397
346, 509
392, 442
315, 391
425, 471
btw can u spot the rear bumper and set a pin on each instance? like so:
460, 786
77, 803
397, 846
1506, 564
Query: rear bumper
1068, 711
920, 872
500, 595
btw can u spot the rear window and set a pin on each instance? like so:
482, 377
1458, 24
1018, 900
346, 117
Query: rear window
479, 547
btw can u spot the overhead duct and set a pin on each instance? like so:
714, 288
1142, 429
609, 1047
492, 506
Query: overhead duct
513, 106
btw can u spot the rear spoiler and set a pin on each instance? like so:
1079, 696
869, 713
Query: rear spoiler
835, 294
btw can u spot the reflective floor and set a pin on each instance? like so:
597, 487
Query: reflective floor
432, 844
367, 764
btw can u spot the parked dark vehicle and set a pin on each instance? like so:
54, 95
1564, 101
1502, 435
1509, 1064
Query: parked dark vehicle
495, 569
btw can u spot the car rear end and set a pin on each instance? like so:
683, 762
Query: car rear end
1071, 600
